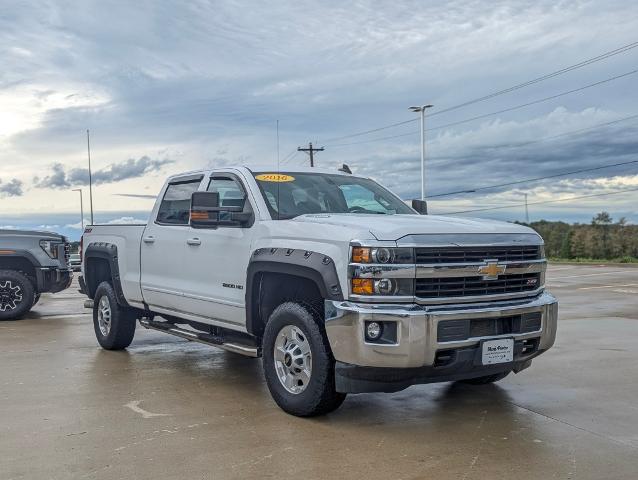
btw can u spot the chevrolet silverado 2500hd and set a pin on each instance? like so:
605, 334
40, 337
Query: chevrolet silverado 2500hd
31, 263
331, 278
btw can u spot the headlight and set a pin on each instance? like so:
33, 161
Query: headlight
50, 248
382, 255
382, 286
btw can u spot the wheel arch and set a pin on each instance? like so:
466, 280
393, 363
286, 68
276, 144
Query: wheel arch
101, 264
22, 261
275, 275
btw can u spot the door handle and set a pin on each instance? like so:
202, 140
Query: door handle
194, 241
149, 239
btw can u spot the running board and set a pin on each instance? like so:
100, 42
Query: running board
208, 339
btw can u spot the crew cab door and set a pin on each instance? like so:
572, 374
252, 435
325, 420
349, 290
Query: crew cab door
217, 258
162, 249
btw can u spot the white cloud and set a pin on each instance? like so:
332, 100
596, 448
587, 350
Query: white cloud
217, 75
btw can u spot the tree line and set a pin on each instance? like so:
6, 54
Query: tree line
602, 239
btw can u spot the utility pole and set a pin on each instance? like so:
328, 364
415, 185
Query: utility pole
310, 151
526, 210
421, 110
88, 149
81, 207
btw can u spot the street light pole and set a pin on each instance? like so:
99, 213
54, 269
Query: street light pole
421, 110
81, 207
88, 150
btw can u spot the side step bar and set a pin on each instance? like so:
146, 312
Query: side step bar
208, 339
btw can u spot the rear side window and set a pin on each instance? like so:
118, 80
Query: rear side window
176, 204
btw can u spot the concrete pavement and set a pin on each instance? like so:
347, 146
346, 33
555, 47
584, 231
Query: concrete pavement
167, 408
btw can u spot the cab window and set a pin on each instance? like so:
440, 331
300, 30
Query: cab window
176, 204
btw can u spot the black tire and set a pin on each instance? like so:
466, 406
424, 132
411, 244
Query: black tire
36, 299
318, 396
16, 294
486, 379
117, 333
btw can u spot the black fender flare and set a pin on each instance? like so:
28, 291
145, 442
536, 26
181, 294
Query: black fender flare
108, 252
314, 266
27, 256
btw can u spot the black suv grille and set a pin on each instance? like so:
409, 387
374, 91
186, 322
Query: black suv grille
477, 254
458, 330
470, 286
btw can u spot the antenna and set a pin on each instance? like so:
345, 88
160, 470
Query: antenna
278, 172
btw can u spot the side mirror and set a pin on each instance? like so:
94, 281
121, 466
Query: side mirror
420, 206
206, 212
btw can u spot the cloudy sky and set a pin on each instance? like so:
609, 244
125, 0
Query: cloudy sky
166, 87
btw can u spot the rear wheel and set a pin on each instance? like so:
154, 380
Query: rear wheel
298, 362
114, 325
486, 379
16, 294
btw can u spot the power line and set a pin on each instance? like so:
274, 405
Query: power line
371, 130
485, 115
289, 156
540, 100
545, 201
584, 63
508, 184
569, 68
572, 132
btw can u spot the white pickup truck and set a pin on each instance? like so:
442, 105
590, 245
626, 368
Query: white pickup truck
331, 278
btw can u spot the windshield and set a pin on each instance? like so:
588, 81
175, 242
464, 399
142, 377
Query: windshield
291, 194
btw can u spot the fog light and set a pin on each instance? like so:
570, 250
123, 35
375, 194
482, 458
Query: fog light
385, 286
373, 330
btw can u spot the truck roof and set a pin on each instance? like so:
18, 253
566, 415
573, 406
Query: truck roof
286, 169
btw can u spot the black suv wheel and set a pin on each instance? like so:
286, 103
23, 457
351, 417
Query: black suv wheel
16, 294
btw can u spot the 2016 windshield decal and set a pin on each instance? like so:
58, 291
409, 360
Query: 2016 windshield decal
275, 177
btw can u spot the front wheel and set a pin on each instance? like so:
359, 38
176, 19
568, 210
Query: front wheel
16, 294
298, 362
114, 325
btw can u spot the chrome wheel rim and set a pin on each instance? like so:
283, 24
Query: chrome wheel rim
10, 295
104, 315
293, 359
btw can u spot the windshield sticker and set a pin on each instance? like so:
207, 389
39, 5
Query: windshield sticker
274, 177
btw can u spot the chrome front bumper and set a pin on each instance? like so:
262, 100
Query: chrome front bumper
417, 327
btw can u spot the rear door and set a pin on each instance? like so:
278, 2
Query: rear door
217, 259
162, 249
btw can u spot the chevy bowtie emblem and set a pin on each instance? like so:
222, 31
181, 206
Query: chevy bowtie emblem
491, 270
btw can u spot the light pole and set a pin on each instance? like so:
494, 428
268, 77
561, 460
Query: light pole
421, 110
81, 207
88, 151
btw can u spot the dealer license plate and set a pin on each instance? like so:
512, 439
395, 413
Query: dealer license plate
498, 351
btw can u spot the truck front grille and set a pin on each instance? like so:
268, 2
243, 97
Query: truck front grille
459, 330
476, 254
474, 286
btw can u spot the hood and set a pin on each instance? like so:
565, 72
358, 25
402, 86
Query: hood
32, 233
394, 227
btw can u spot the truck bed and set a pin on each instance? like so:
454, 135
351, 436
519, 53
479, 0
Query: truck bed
127, 238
